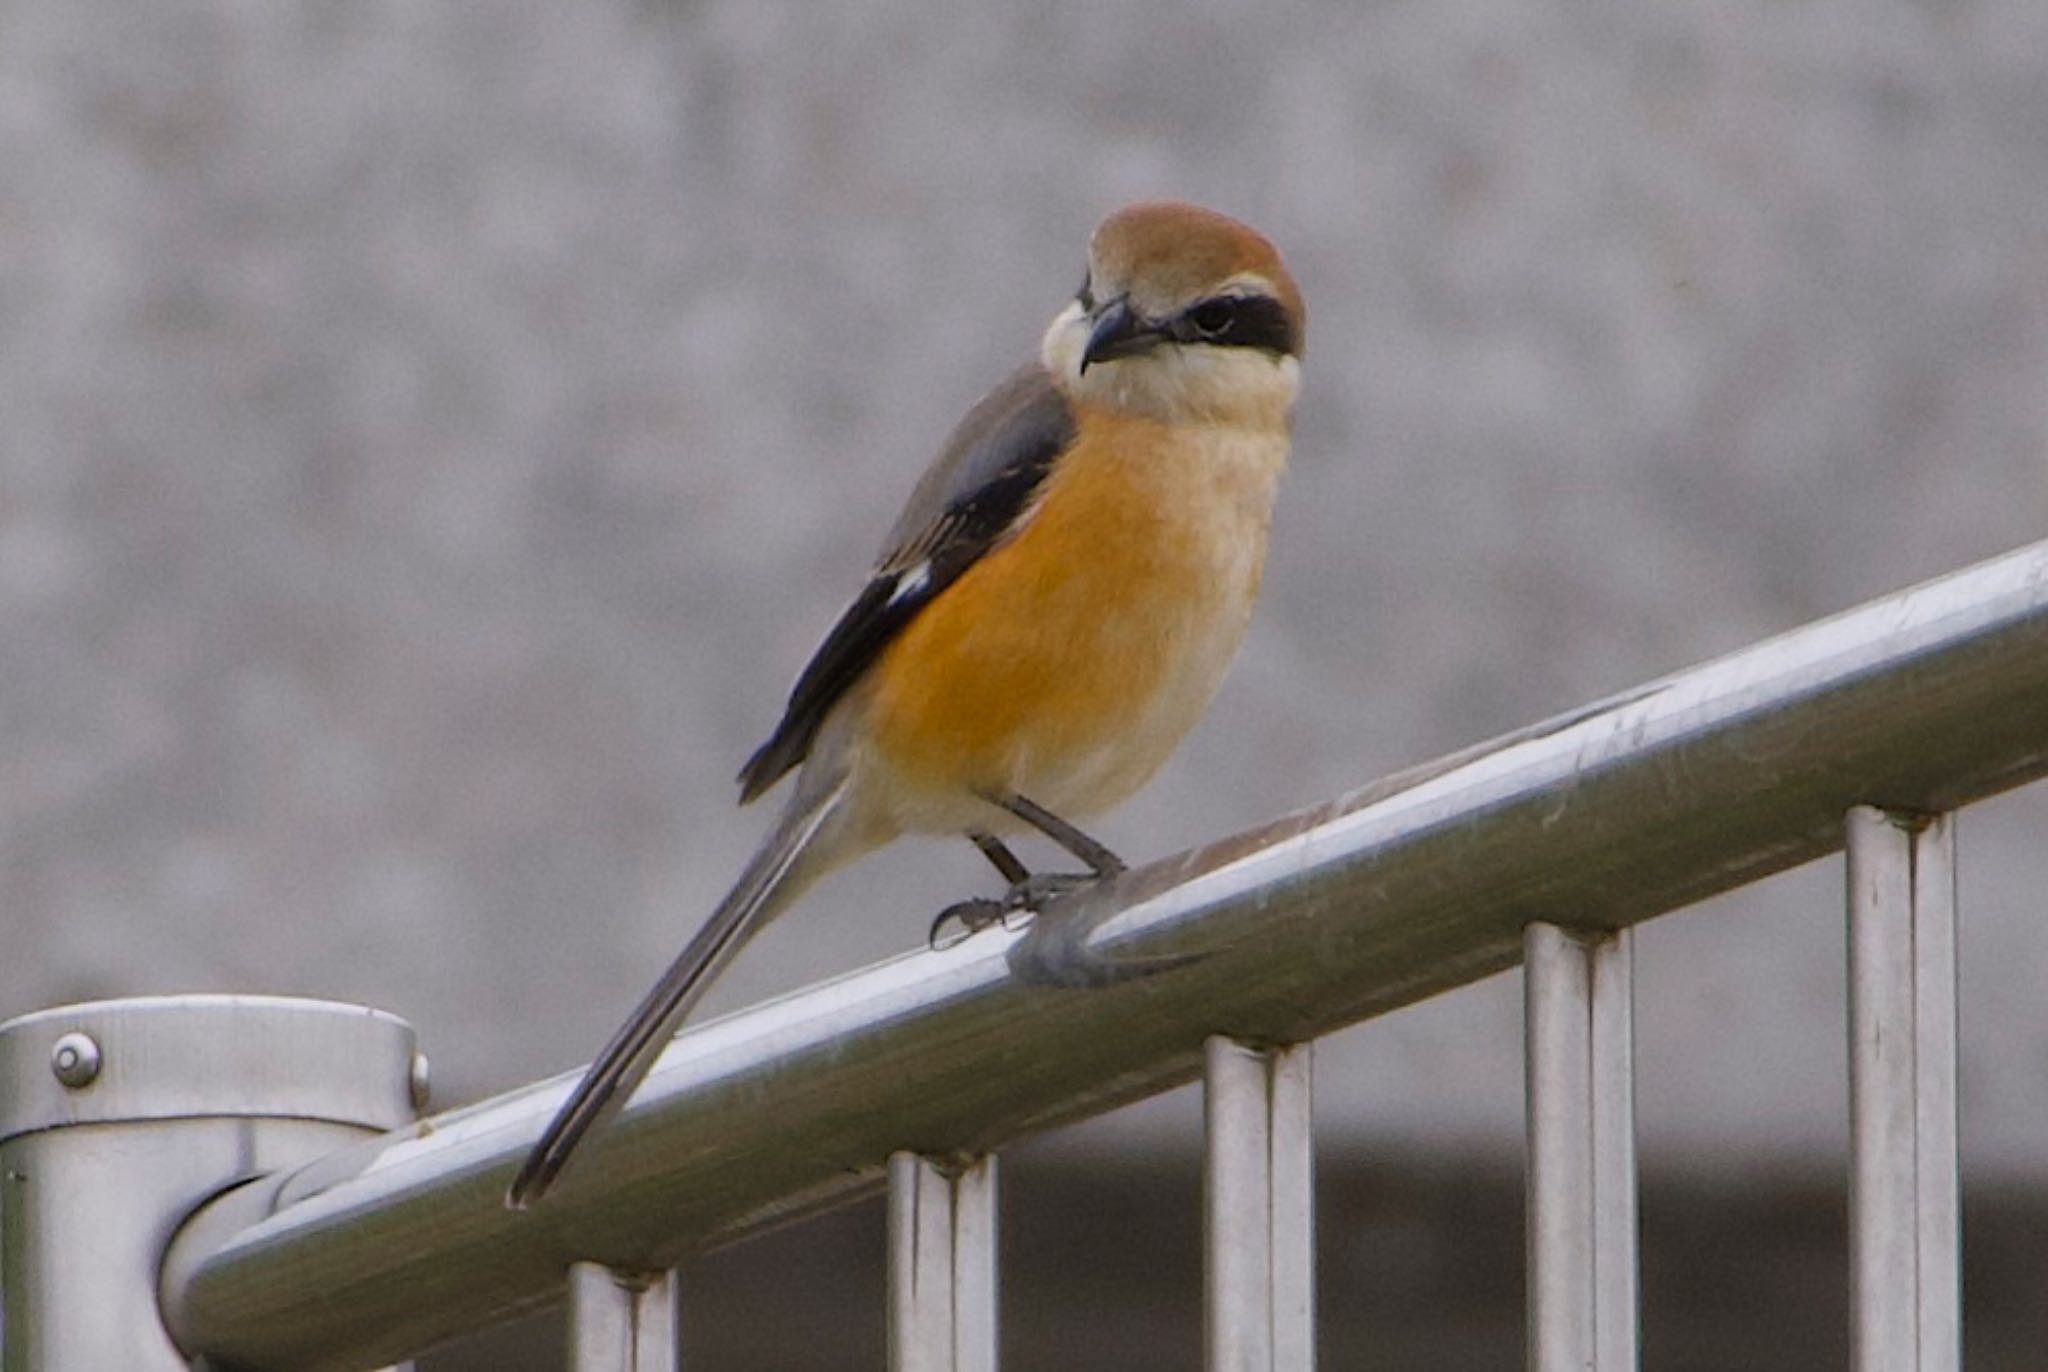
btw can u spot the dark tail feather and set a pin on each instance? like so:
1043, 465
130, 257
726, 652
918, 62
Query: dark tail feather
772, 879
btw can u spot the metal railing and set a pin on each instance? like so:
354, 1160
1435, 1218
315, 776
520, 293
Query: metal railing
1867, 729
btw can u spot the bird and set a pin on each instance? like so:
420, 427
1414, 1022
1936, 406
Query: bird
1053, 610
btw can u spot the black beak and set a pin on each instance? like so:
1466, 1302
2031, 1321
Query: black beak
1119, 332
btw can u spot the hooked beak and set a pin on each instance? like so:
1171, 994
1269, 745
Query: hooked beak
1119, 331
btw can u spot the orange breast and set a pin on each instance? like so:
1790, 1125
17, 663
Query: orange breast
1066, 664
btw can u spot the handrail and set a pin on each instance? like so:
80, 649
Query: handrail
1653, 799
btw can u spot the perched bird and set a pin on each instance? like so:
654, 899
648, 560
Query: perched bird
1053, 610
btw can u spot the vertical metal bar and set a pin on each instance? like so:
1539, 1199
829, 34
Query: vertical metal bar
942, 1265
1260, 1209
1905, 1280
1579, 1003
623, 1321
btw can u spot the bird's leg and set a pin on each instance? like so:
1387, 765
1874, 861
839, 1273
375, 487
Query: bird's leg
998, 853
1101, 862
1028, 890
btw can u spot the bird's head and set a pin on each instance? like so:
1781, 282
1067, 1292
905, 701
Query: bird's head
1185, 314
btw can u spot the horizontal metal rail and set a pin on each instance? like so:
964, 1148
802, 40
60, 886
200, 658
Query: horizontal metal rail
1919, 702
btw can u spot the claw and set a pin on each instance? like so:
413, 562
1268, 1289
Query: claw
973, 916
1026, 897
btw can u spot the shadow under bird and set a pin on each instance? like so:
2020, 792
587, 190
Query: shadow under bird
1053, 610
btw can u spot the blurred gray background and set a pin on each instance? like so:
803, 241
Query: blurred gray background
432, 438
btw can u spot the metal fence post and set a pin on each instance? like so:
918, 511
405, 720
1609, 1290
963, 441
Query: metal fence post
1260, 1216
1582, 1153
118, 1118
623, 1321
942, 1265
1904, 1223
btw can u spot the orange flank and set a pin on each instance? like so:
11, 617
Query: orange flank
1067, 663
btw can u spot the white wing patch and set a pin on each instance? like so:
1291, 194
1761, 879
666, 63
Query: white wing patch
910, 582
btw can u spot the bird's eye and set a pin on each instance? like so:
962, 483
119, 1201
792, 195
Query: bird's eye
1212, 318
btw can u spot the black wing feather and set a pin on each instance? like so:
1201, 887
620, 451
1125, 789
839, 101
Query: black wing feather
965, 505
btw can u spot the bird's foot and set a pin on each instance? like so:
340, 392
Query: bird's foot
1028, 896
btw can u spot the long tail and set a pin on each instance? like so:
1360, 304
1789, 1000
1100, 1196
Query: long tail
775, 876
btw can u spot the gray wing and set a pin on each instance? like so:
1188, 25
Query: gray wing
966, 503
